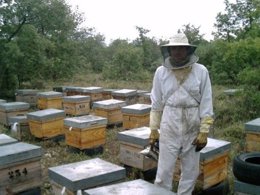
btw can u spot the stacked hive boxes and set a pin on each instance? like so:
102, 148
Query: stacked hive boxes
127, 95
49, 99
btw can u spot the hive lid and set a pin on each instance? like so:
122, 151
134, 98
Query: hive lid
109, 104
138, 136
46, 114
17, 152
5, 139
14, 106
90, 89
72, 88
17, 119
253, 125
85, 121
137, 109
125, 92
86, 174
49, 94
76, 98
135, 187
213, 147
27, 91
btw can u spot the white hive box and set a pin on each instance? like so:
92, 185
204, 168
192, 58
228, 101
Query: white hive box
85, 132
49, 99
20, 167
84, 175
127, 95
5, 139
12, 109
134, 187
27, 95
110, 109
252, 130
76, 105
20, 123
131, 143
136, 115
46, 123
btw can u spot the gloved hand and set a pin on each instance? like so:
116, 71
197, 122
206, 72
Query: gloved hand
155, 120
201, 140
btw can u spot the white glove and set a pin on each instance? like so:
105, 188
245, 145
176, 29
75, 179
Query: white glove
155, 120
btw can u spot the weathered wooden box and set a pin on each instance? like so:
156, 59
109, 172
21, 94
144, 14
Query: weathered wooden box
20, 167
213, 164
242, 188
85, 132
136, 115
76, 105
6, 139
19, 126
107, 94
84, 175
134, 187
145, 98
46, 123
95, 93
72, 90
110, 109
49, 99
12, 109
27, 95
131, 143
252, 130
127, 95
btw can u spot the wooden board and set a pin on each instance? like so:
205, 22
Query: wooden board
252, 141
114, 116
76, 108
131, 121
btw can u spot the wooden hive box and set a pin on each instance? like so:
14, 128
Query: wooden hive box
21, 125
85, 132
12, 109
136, 115
84, 175
134, 187
76, 105
46, 123
242, 188
49, 99
252, 130
127, 95
20, 167
71, 90
110, 109
213, 164
95, 93
145, 98
6, 139
107, 94
27, 95
131, 143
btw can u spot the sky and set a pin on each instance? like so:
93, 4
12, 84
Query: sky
117, 19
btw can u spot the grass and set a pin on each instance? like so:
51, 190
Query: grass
226, 127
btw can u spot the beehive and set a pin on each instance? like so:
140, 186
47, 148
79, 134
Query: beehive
137, 187
213, 164
19, 126
84, 175
20, 167
49, 99
76, 105
110, 109
72, 90
252, 130
127, 95
131, 143
46, 123
95, 93
27, 95
12, 109
145, 98
242, 188
85, 132
107, 94
5, 139
136, 115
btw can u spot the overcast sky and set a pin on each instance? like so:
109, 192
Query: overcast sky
118, 18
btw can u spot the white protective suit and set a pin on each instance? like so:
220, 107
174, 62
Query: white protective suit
183, 105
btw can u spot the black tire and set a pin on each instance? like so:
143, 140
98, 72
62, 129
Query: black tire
246, 167
221, 188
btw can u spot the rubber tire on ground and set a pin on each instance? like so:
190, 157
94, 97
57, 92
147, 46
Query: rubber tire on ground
221, 188
246, 167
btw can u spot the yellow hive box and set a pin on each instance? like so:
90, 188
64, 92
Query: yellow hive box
49, 99
252, 129
76, 105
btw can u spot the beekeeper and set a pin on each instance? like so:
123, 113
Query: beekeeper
182, 110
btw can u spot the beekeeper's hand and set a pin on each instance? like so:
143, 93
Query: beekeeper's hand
155, 120
201, 140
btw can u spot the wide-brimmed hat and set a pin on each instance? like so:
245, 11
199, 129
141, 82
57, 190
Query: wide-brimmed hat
179, 39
